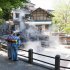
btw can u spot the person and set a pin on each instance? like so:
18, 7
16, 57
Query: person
9, 44
16, 43
13, 42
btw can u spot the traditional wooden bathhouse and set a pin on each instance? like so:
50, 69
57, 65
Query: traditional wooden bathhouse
40, 18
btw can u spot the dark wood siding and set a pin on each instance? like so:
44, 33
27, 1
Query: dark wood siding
40, 15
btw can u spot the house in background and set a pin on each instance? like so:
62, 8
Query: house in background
19, 16
28, 15
40, 18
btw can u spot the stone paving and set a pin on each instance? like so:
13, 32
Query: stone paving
6, 64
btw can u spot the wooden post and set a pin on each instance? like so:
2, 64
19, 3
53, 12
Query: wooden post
57, 62
30, 56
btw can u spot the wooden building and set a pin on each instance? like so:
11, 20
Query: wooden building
40, 18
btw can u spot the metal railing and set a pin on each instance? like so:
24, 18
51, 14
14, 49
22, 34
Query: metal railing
56, 58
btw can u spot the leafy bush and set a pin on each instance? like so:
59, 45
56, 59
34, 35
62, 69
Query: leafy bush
2, 21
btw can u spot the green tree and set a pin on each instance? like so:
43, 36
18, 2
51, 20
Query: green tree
67, 29
7, 5
2, 21
1, 13
62, 17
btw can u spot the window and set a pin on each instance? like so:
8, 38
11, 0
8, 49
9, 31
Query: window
17, 15
39, 27
46, 27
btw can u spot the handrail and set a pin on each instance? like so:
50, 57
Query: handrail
49, 57
31, 59
38, 59
65, 59
22, 50
44, 55
22, 55
65, 67
44, 62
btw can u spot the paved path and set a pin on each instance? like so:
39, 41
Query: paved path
6, 64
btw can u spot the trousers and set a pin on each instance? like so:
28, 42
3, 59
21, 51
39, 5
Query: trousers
9, 52
14, 53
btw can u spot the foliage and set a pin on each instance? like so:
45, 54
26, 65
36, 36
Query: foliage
1, 21
1, 13
7, 5
62, 17
67, 29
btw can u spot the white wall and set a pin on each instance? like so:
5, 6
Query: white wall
22, 13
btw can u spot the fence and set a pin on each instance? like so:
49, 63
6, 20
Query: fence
57, 59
